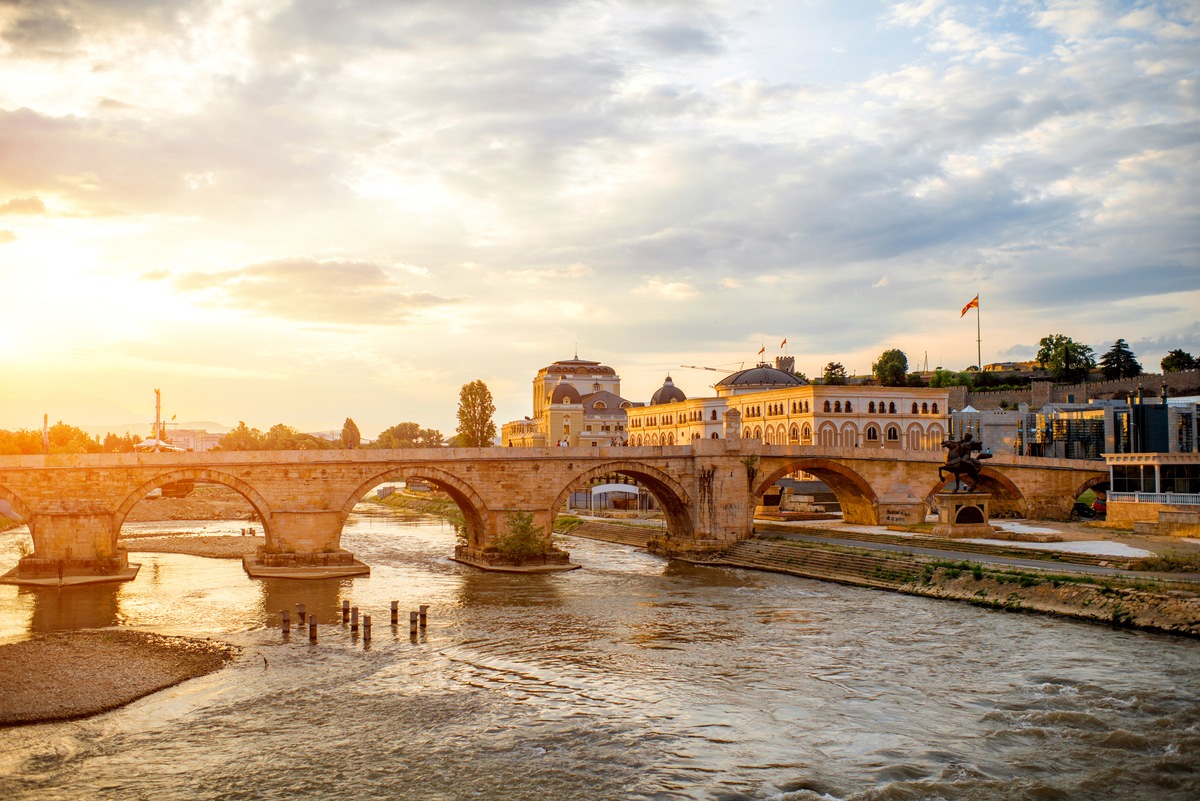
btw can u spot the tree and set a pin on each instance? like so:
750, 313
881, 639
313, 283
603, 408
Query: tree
1066, 359
1119, 362
242, 438
350, 436
409, 435
523, 538
914, 380
834, 373
891, 368
1178, 360
475, 410
948, 378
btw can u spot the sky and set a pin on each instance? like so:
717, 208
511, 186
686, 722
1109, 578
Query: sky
299, 211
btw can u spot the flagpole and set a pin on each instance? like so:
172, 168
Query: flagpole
978, 337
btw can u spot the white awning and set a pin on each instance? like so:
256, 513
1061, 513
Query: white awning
626, 488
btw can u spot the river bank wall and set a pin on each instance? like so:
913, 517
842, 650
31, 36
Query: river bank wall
1148, 604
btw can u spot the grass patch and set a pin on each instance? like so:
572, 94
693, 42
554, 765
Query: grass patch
1170, 562
565, 524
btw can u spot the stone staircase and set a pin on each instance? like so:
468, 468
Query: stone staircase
637, 536
800, 559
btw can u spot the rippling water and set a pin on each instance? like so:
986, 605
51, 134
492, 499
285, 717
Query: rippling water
633, 678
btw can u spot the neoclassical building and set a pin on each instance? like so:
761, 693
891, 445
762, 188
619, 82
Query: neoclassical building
575, 402
773, 405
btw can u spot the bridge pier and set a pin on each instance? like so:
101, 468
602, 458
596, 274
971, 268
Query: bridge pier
74, 542
303, 544
482, 552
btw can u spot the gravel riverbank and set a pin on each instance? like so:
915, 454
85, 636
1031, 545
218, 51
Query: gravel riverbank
74, 674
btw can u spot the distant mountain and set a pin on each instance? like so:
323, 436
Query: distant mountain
93, 415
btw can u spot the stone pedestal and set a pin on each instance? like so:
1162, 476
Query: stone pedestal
962, 514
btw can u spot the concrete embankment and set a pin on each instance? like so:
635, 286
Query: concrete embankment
1155, 605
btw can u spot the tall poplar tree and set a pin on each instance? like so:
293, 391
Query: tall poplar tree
350, 436
475, 410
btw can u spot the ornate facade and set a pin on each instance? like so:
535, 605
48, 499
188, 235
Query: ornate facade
775, 407
575, 402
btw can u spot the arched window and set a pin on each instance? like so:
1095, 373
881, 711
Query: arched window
837, 406
714, 417
806, 433
872, 434
849, 407
670, 439
795, 433
935, 411
914, 411
758, 433
827, 406
599, 405
924, 408
806, 406
871, 407
715, 435
891, 408
893, 434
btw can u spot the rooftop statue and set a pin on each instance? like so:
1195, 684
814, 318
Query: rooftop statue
961, 461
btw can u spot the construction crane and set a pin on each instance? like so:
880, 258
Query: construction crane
714, 369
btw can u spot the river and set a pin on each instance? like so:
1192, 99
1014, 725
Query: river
633, 678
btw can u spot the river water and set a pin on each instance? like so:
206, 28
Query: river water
633, 678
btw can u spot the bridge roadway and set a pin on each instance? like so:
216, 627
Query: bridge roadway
75, 504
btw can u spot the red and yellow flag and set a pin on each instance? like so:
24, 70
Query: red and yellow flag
784, 342
974, 304
762, 350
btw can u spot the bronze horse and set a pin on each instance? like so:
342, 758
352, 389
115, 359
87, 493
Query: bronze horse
961, 463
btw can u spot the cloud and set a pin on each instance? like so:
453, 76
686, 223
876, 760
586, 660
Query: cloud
23, 205
302, 288
667, 290
7, 236
680, 39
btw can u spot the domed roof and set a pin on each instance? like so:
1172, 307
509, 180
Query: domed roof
761, 375
667, 393
564, 393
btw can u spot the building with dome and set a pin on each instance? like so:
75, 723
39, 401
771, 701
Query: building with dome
773, 405
575, 402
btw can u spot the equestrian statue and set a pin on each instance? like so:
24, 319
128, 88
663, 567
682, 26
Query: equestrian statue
960, 462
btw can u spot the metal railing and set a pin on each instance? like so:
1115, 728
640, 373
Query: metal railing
1172, 498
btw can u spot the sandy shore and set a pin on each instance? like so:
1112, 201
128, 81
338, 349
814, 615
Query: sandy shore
74, 674
216, 547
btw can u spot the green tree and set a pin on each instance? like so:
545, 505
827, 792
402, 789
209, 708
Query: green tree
475, 409
409, 435
350, 436
891, 368
834, 373
1119, 362
914, 380
242, 438
523, 537
1066, 359
1178, 360
948, 378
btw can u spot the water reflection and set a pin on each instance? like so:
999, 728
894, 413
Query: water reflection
88, 606
320, 598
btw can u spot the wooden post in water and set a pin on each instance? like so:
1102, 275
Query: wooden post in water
312, 628
366, 628
345, 611
395, 613
412, 623
300, 614
286, 617
424, 611
354, 618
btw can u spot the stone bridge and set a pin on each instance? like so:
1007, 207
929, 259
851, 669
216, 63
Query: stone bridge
75, 504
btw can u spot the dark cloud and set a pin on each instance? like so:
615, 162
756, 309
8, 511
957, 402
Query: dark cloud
341, 292
679, 39
23, 205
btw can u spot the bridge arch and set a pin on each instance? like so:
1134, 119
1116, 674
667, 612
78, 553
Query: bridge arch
1007, 498
19, 506
671, 496
202, 474
1098, 481
472, 506
858, 499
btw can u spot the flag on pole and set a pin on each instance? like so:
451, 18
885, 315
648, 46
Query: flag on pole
784, 342
974, 304
762, 350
